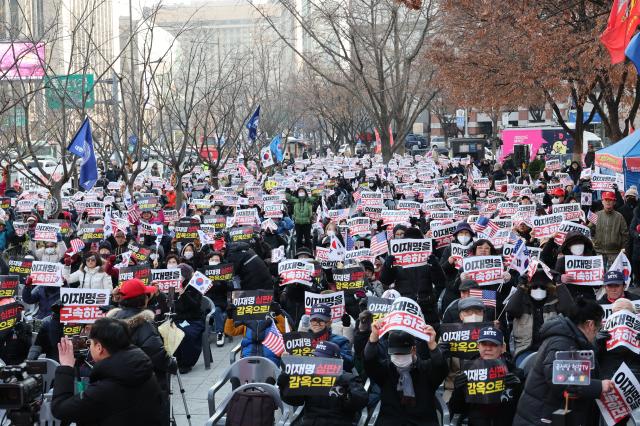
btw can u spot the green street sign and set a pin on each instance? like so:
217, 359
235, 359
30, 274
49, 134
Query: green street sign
69, 88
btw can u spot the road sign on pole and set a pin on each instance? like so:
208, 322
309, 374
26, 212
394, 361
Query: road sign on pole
71, 89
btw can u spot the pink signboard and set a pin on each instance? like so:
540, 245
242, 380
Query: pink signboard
531, 137
21, 61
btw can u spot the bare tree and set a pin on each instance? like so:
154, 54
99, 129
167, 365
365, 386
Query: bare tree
377, 49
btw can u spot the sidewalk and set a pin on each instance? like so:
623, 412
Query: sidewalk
197, 383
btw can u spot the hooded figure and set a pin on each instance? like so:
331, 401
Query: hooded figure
249, 267
574, 244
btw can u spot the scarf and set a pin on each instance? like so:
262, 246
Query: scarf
405, 385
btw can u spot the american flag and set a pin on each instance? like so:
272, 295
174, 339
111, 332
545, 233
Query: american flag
379, 244
592, 217
77, 245
356, 196
488, 296
133, 213
349, 241
183, 209
273, 340
481, 224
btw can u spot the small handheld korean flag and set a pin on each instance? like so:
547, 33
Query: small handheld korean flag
200, 282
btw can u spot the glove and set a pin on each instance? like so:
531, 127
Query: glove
283, 381
346, 320
275, 308
511, 380
460, 381
231, 310
365, 319
68, 261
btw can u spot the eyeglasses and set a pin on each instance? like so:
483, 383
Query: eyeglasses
91, 259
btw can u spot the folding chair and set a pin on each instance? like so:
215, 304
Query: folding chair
253, 369
208, 308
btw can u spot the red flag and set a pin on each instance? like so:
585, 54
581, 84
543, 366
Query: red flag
378, 149
623, 20
390, 136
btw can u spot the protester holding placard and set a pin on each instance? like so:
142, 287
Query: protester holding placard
533, 304
90, 274
575, 244
49, 251
342, 404
619, 340
302, 211
251, 270
421, 283
407, 382
541, 397
189, 318
218, 295
615, 288
611, 233
42, 296
488, 387
133, 297
451, 260
254, 332
452, 312
320, 326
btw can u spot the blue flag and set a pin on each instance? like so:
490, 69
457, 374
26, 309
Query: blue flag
633, 51
252, 125
275, 149
82, 146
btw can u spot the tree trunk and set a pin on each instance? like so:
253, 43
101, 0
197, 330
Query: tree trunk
215, 181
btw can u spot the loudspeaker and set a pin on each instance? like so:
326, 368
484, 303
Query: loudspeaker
521, 155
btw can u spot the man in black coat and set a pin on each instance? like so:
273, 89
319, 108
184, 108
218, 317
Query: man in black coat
407, 382
122, 388
343, 404
541, 397
253, 271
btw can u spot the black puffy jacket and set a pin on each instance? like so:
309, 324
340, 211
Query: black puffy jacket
145, 336
253, 271
541, 397
122, 391
339, 408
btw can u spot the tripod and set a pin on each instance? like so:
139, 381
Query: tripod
184, 400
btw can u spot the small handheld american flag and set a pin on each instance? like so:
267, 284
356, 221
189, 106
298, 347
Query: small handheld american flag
592, 217
76, 245
273, 340
488, 296
379, 244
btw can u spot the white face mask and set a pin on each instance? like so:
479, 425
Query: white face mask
172, 265
153, 256
50, 250
301, 194
402, 361
213, 262
331, 233
555, 200
464, 239
538, 293
577, 249
188, 254
473, 318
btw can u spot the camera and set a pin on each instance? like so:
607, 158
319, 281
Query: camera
21, 390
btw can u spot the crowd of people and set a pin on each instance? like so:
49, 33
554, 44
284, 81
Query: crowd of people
520, 269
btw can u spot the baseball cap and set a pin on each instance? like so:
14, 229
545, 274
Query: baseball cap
134, 288
326, 349
400, 343
321, 311
558, 192
609, 196
614, 277
470, 303
468, 284
491, 334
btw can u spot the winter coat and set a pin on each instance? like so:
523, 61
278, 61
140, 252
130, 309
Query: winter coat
426, 376
145, 336
341, 407
253, 271
302, 208
6, 235
634, 236
89, 278
567, 293
527, 314
43, 296
254, 333
188, 305
611, 232
122, 391
627, 210
541, 397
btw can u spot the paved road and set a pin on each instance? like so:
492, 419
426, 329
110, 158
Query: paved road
197, 383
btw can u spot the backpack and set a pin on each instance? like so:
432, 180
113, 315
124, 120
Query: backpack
251, 408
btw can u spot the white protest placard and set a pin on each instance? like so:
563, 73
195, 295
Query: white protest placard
404, 315
485, 270
46, 232
371, 199
335, 300
166, 279
246, 217
624, 329
547, 225
46, 274
566, 227
602, 182
295, 271
584, 270
360, 226
570, 211
358, 255
410, 253
459, 252
507, 208
608, 308
82, 305
394, 217
618, 403
442, 233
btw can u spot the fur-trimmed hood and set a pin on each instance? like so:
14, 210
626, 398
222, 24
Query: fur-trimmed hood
132, 316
